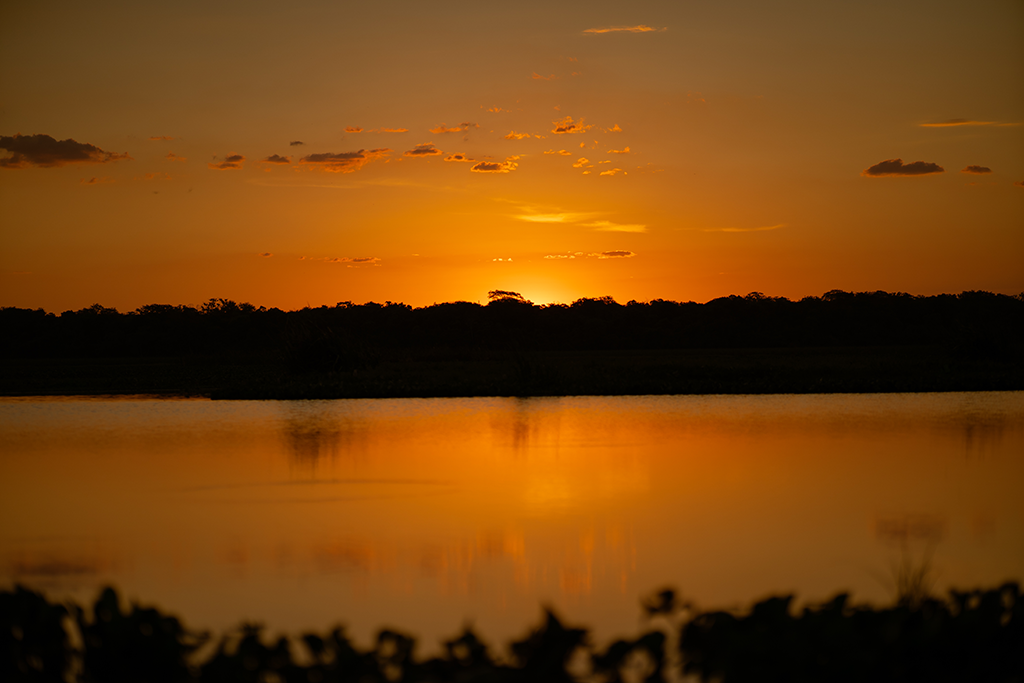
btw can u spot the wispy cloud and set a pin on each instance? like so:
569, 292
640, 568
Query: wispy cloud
759, 229
43, 151
566, 256
977, 170
442, 129
619, 151
949, 123
613, 129
516, 136
896, 167
296, 143
353, 129
582, 162
496, 110
506, 166
613, 171
427, 149
608, 226
619, 253
344, 162
156, 138
537, 77
277, 159
390, 130
561, 217
230, 162
458, 157
568, 126
171, 156
625, 29
562, 152
349, 261
266, 254
614, 254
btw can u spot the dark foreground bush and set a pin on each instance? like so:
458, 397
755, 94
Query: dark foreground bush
970, 636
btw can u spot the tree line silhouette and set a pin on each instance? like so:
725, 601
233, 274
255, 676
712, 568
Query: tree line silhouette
978, 323
973, 635
863, 341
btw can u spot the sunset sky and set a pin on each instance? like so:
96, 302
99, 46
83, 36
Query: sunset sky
293, 154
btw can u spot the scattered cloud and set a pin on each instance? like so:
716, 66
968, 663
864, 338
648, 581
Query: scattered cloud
353, 129
266, 254
516, 136
171, 156
563, 152
427, 149
496, 110
896, 167
614, 254
537, 77
442, 129
567, 126
608, 226
581, 163
344, 162
496, 166
949, 123
277, 159
156, 138
977, 169
506, 260
458, 157
96, 181
568, 255
231, 161
625, 29
613, 171
760, 229
296, 143
390, 130
43, 151
613, 129
619, 151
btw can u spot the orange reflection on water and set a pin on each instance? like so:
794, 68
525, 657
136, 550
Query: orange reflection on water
423, 513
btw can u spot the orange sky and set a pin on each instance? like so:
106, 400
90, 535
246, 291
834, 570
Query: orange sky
149, 154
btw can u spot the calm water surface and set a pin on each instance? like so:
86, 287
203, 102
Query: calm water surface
425, 514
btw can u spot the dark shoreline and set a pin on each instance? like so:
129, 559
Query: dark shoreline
586, 373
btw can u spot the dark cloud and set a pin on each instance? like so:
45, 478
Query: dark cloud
427, 149
442, 129
353, 129
977, 169
567, 125
171, 156
344, 162
296, 143
231, 162
277, 159
896, 167
506, 166
614, 254
43, 151
266, 254
458, 157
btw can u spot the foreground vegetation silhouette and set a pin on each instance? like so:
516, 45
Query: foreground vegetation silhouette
841, 341
969, 636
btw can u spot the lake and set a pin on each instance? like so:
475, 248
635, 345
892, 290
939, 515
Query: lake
426, 514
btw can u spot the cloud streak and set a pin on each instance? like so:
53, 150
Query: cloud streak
462, 127
760, 229
343, 162
608, 226
641, 28
950, 123
896, 167
43, 151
